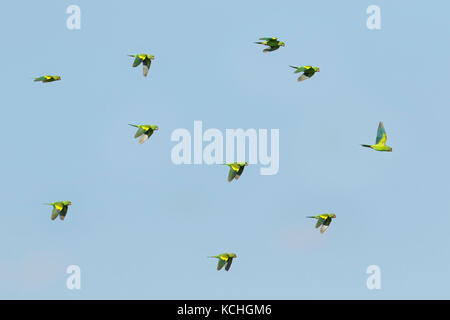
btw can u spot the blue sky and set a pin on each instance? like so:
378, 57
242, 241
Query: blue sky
141, 227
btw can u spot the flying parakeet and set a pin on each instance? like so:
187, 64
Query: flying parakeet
146, 60
380, 142
236, 169
272, 43
308, 72
224, 259
323, 220
59, 208
144, 131
48, 78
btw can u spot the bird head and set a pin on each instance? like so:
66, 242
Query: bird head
390, 149
68, 203
317, 69
233, 255
58, 78
282, 44
333, 215
154, 127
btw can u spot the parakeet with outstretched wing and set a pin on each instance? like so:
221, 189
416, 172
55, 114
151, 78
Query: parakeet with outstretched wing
323, 220
308, 72
272, 43
146, 60
225, 259
59, 209
47, 78
236, 169
144, 131
380, 142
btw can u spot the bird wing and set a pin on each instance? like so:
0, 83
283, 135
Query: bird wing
325, 225
137, 61
300, 69
231, 174
220, 264
320, 221
381, 135
267, 39
139, 132
55, 213
63, 212
146, 66
228, 266
239, 173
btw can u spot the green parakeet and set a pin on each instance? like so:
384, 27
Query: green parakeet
308, 72
236, 169
225, 259
380, 142
323, 220
272, 43
144, 131
146, 60
48, 78
59, 208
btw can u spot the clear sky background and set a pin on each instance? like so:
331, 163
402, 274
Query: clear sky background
141, 227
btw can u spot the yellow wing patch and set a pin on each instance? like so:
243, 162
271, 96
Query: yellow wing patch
324, 216
142, 57
224, 258
59, 207
145, 127
47, 77
235, 167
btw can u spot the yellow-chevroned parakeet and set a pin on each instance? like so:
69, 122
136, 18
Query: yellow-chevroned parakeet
225, 259
144, 131
146, 60
308, 72
48, 78
380, 142
323, 220
236, 169
59, 208
272, 43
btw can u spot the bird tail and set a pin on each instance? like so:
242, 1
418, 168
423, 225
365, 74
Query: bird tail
293, 67
133, 125
259, 42
211, 256
366, 145
310, 217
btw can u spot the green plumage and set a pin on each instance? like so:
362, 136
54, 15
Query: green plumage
47, 78
272, 43
59, 209
144, 131
380, 141
236, 170
323, 220
225, 259
145, 59
308, 72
